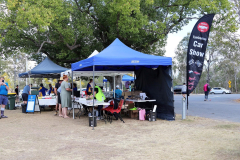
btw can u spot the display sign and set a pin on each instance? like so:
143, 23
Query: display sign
229, 82
196, 51
31, 103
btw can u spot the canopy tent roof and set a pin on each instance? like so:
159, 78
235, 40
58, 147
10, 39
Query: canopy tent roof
127, 78
45, 69
96, 73
119, 57
90, 73
95, 52
124, 78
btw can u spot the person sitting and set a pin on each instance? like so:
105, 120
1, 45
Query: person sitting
99, 96
118, 93
51, 89
42, 90
74, 87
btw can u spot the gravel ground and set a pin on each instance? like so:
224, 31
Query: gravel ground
44, 136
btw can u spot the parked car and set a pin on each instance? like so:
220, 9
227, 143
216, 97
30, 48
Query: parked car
219, 90
177, 89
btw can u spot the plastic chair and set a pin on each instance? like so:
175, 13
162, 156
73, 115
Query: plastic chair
116, 112
109, 107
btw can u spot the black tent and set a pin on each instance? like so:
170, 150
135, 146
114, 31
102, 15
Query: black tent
157, 85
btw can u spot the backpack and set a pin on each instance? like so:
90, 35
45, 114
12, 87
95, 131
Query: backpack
208, 88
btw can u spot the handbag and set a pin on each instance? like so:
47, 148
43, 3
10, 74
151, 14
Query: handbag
142, 113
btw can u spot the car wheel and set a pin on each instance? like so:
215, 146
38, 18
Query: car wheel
224, 93
212, 93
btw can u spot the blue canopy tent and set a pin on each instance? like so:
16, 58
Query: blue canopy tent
127, 78
119, 57
45, 69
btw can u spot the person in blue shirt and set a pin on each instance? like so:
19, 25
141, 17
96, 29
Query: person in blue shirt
51, 89
118, 92
89, 87
42, 90
25, 93
3, 96
74, 87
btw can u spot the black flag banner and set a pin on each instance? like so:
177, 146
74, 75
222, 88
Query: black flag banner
196, 51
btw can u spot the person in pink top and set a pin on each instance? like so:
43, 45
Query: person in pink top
206, 89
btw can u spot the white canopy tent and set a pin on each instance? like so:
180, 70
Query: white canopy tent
96, 73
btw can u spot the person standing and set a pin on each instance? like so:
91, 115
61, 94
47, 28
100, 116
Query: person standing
206, 91
184, 90
17, 94
51, 89
3, 96
127, 85
57, 92
74, 87
89, 87
42, 90
65, 96
25, 93
118, 92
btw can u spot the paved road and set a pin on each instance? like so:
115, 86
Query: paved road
221, 106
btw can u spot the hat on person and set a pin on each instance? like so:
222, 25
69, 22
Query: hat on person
117, 86
61, 79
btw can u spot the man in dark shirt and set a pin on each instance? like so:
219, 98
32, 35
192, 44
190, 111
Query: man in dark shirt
17, 94
58, 99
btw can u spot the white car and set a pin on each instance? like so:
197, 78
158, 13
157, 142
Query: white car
219, 90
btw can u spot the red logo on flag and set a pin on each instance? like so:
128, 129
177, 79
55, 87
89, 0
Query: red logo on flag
203, 27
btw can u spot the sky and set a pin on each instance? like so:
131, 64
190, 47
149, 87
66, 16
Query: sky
175, 38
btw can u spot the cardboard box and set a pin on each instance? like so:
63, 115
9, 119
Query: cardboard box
130, 105
133, 114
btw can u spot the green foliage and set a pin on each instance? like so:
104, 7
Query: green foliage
69, 30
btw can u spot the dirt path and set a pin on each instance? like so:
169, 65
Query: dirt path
44, 136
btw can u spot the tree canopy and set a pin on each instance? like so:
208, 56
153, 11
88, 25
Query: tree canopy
69, 30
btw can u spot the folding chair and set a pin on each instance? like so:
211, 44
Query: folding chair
115, 111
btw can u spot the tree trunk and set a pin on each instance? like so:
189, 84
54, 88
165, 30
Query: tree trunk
118, 81
235, 76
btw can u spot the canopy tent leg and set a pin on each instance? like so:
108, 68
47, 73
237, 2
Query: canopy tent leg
114, 87
29, 82
72, 96
172, 88
122, 83
93, 94
80, 86
134, 78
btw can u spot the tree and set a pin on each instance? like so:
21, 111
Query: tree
69, 30
179, 61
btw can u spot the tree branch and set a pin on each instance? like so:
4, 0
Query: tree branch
43, 44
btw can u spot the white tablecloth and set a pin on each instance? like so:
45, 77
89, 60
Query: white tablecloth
90, 102
134, 100
47, 102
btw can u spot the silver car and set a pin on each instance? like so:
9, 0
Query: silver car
219, 90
